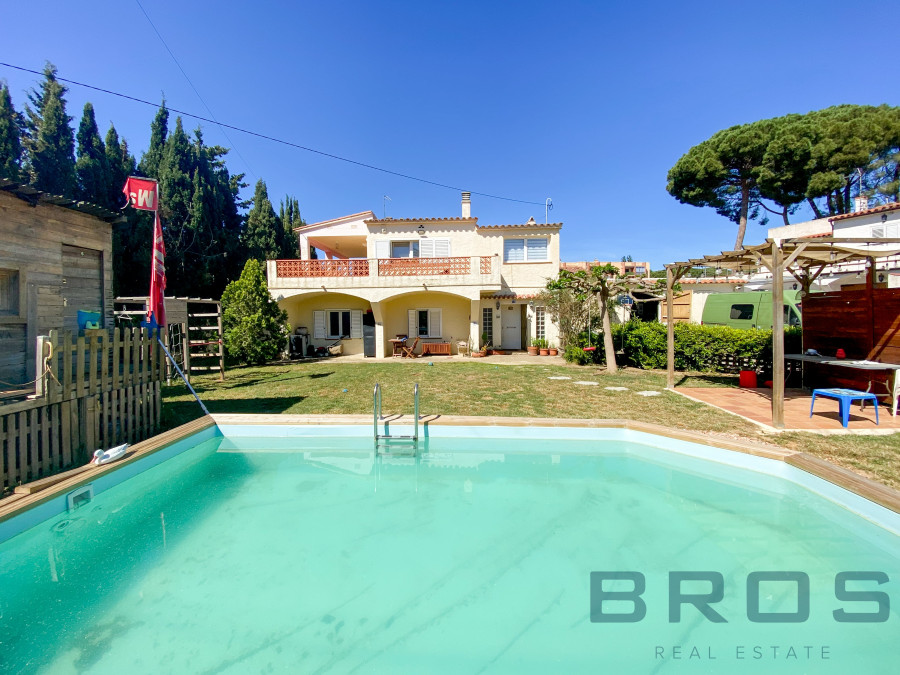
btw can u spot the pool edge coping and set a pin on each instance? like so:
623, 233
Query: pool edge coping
866, 488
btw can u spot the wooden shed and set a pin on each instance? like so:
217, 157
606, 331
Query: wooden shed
55, 259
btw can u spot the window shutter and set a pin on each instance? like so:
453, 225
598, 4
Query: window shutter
426, 248
413, 324
319, 325
514, 250
441, 248
382, 248
356, 323
434, 323
537, 249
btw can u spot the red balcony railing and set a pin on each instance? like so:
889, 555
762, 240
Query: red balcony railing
303, 269
413, 267
383, 267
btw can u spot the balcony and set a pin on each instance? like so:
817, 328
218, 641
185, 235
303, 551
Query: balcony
384, 273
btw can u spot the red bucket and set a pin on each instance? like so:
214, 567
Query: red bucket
748, 379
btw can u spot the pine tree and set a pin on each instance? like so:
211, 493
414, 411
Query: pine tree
50, 141
256, 328
91, 167
159, 132
264, 238
10, 144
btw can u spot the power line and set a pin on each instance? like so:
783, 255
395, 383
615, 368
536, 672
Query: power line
159, 35
277, 140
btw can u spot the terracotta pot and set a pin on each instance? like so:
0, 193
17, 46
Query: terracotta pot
532, 351
478, 355
553, 352
545, 352
498, 352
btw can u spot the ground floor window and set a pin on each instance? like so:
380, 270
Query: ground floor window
425, 323
540, 323
335, 324
487, 325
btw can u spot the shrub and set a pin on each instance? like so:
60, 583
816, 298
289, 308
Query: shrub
697, 347
256, 329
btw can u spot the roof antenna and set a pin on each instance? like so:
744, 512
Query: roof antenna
384, 206
548, 207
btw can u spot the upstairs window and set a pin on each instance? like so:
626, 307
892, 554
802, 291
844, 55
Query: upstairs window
9, 292
404, 249
525, 250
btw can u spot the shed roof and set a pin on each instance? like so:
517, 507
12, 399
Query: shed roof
34, 197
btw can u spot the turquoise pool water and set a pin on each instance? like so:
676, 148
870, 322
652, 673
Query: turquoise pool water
307, 554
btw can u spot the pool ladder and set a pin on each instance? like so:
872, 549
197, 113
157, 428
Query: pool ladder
387, 438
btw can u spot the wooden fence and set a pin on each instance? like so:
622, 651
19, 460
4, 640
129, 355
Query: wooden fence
97, 391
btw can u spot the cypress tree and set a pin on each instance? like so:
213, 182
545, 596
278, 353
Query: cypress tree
159, 132
120, 164
91, 167
50, 140
10, 144
264, 237
175, 197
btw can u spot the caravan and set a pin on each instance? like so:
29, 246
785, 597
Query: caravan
749, 310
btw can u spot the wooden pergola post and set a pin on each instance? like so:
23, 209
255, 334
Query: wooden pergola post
777, 267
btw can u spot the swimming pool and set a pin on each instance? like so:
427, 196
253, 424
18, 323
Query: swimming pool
294, 549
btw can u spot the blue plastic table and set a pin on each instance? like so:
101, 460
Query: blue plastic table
845, 397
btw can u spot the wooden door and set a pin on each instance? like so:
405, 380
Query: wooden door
82, 283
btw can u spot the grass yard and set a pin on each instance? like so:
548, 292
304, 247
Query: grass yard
466, 388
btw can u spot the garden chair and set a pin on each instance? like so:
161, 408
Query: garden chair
410, 352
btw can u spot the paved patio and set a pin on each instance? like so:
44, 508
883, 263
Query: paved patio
756, 405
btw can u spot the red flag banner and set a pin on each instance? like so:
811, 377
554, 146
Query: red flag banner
156, 307
142, 193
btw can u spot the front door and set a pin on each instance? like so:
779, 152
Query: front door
511, 327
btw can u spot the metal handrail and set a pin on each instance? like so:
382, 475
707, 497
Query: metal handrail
376, 408
416, 412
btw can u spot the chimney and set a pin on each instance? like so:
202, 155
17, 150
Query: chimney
860, 204
466, 204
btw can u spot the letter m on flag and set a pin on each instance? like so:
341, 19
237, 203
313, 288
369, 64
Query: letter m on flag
141, 193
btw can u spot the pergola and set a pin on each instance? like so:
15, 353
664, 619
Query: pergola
804, 258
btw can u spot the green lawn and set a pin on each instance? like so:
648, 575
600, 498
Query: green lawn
459, 388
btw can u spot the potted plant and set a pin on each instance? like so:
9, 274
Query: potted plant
533, 347
543, 348
485, 345
553, 350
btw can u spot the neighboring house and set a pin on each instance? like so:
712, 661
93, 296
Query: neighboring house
55, 259
444, 280
871, 224
639, 269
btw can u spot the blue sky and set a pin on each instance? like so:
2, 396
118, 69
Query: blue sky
589, 103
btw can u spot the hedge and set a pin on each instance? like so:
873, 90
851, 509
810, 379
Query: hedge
697, 347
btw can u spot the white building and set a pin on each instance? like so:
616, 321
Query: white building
441, 280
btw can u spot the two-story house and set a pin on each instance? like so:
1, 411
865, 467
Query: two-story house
443, 280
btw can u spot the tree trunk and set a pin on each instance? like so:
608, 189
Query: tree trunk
814, 207
784, 214
608, 348
745, 207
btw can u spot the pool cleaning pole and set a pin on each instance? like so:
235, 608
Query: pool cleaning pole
178, 370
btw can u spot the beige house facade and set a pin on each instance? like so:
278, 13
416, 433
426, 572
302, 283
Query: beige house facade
442, 280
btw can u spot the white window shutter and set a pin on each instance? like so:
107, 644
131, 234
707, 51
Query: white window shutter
356, 323
426, 248
319, 325
434, 323
413, 324
441, 248
382, 248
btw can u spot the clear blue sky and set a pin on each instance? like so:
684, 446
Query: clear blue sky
589, 103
